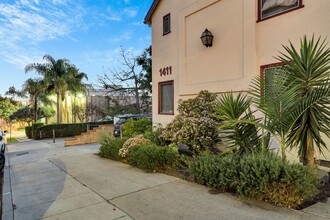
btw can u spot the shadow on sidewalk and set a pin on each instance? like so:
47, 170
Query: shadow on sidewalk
35, 186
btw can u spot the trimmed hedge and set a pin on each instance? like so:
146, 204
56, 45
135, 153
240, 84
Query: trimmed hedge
30, 131
66, 130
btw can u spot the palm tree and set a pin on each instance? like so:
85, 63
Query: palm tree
75, 79
294, 100
34, 87
46, 109
75, 86
309, 70
13, 92
237, 135
57, 74
274, 96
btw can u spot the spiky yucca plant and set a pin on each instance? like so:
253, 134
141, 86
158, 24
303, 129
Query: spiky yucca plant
309, 70
238, 128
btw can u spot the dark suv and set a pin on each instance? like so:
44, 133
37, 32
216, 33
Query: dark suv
123, 119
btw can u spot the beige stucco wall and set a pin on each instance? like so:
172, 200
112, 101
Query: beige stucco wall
229, 64
241, 44
313, 18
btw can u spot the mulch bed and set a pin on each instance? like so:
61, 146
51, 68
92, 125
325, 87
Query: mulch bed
323, 196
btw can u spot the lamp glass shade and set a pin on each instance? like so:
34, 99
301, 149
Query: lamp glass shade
207, 38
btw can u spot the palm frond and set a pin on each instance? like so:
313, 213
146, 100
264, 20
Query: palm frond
236, 131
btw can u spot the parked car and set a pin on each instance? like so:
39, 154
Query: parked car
2, 149
122, 119
106, 118
2, 141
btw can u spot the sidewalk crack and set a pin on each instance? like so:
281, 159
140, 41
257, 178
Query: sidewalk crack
83, 184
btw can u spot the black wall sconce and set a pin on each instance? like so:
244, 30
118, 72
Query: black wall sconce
207, 38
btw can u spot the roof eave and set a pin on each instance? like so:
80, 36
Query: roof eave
147, 19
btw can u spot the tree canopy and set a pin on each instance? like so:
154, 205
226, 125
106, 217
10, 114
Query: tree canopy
59, 76
8, 107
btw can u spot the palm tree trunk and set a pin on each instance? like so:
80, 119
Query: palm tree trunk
283, 150
58, 108
309, 157
66, 109
35, 109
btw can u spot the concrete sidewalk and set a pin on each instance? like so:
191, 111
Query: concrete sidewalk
47, 181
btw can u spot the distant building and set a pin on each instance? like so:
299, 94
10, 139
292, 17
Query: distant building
98, 102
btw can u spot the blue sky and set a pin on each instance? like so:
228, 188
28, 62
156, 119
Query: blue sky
87, 32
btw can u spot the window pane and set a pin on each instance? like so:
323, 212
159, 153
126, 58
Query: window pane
166, 24
270, 8
166, 98
273, 78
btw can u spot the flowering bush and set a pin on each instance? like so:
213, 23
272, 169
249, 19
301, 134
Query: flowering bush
194, 125
137, 140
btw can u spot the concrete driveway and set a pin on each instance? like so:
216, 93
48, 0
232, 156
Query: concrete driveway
47, 181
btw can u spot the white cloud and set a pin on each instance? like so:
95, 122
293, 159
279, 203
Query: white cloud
117, 15
124, 36
137, 23
114, 17
102, 57
130, 12
26, 23
109, 58
60, 2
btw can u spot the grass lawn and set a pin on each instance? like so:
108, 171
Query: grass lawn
11, 140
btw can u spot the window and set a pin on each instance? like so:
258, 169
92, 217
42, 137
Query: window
271, 8
166, 97
167, 24
272, 75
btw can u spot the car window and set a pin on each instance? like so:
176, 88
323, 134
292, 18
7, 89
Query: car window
121, 121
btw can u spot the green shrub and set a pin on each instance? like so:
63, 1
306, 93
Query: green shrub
151, 157
110, 147
216, 172
34, 129
298, 183
28, 131
262, 176
31, 131
66, 130
194, 125
131, 128
257, 171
